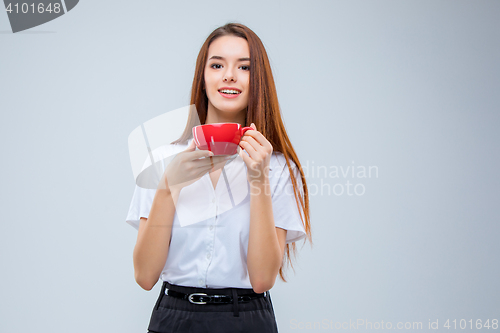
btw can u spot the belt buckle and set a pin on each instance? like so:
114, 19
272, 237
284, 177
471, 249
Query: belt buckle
190, 298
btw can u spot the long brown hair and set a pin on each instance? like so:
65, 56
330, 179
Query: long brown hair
263, 110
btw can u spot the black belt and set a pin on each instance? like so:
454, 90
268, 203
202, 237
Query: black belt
201, 298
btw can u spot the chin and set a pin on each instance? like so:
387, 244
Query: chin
232, 110
227, 107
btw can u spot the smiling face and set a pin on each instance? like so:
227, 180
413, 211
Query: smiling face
227, 77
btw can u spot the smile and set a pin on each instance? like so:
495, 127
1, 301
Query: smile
229, 93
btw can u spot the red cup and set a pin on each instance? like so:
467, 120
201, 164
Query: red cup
220, 138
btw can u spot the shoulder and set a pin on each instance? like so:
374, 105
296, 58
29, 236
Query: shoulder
280, 177
278, 163
279, 171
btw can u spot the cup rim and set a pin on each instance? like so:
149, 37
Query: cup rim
216, 124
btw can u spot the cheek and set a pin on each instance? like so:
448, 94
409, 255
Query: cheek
209, 82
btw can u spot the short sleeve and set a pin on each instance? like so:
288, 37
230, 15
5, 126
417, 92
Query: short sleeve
285, 210
142, 200
147, 183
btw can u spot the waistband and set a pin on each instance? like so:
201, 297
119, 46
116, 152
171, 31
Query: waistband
234, 293
208, 291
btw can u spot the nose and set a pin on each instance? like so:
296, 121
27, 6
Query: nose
228, 76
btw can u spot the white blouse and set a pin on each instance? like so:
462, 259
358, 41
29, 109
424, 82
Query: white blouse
209, 239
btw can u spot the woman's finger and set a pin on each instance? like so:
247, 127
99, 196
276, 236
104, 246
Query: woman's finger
249, 148
245, 157
197, 154
258, 137
191, 146
255, 145
202, 162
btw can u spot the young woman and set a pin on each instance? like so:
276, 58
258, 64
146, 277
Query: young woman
217, 269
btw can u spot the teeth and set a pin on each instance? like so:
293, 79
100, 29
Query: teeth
227, 91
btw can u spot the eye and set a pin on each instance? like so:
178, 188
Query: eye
216, 66
245, 68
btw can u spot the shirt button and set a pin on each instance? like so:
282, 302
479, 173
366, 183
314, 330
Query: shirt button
208, 255
200, 281
211, 227
213, 200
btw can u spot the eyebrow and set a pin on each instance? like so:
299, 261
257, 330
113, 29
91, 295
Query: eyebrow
222, 58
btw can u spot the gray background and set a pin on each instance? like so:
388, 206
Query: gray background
408, 86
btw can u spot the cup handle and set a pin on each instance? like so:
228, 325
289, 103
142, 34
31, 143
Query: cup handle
244, 129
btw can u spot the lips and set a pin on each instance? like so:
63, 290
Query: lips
228, 92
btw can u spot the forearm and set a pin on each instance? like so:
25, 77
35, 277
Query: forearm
153, 240
264, 255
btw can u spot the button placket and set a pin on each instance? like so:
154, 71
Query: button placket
211, 227
210, 246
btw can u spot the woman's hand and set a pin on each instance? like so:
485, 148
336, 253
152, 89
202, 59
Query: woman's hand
189, 166
259, 154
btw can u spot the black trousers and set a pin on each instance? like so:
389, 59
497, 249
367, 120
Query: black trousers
172, 314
